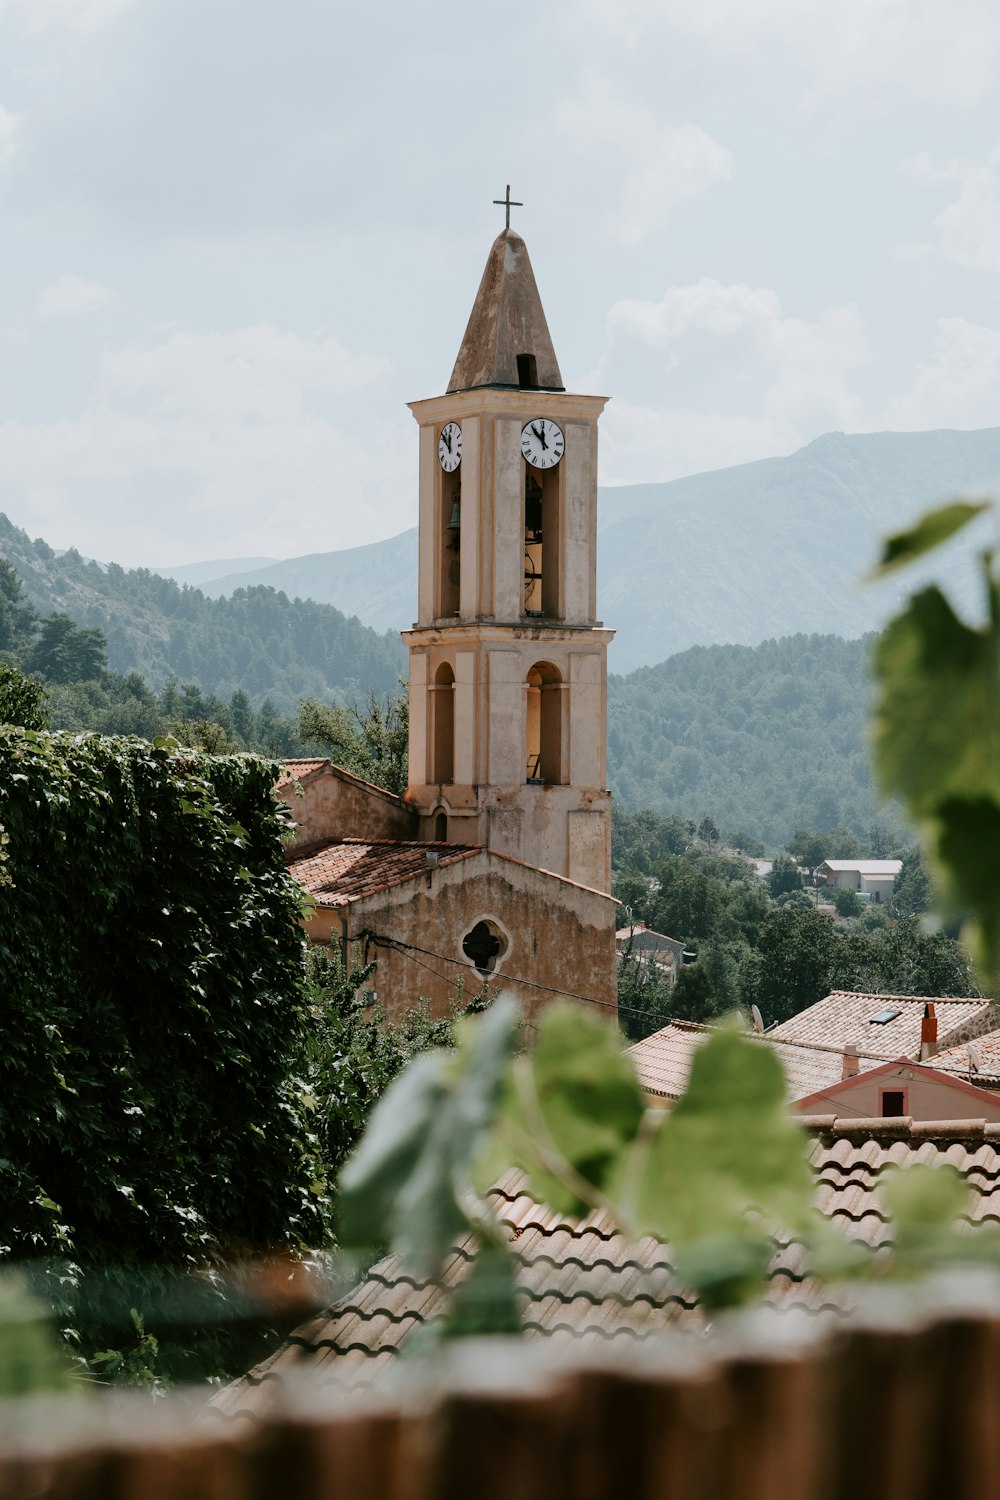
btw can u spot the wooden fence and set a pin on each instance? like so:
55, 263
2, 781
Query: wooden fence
899, 1402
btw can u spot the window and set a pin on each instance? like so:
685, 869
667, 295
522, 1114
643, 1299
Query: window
441, 828
544, 725
884, 1017
527, 372
893, 1104
484, 946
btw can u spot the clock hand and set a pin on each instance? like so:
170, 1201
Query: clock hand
539, 435
447, 439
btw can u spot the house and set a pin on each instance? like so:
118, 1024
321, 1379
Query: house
901, 1089
585, 1282
496, 864
849, 1034
666, 953
871, 878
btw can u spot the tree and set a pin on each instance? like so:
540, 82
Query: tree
17, 619
846, 903
810, 849
911, 892
708, 831
66, 652
645, 996
747, 844
784, 876
632, 890
370, 739
790, 966
22, 700
693, 998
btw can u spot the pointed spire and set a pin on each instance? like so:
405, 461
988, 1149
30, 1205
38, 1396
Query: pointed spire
507, 340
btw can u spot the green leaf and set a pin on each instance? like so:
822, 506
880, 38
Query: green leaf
925, 1197
937, 747
937, 716
403, 1183
486, 1301
931, 530
729, 1149
574, 1104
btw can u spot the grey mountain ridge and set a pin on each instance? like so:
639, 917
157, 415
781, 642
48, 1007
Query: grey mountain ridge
737, 555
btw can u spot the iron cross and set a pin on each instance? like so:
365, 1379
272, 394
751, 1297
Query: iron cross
508, 203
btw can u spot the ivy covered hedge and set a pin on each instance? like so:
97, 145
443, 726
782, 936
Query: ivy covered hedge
152, 1007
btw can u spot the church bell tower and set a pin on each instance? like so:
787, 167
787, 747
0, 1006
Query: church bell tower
508, 661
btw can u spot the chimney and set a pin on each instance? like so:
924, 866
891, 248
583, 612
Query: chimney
928, 1033
852, 1066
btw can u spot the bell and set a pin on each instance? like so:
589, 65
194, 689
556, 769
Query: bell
455, 523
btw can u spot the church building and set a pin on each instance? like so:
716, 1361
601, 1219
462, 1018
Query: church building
496, 865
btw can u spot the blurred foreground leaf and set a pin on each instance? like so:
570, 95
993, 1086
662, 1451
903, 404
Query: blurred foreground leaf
570, 1111
404, 1182
726, 1168
936, 739
933, 528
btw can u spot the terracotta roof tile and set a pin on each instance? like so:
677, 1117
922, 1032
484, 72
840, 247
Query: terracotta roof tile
987, 1058
662, 1061
588, 1281
846, 1017
347, 869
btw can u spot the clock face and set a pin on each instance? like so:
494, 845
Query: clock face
450, 447
542, 443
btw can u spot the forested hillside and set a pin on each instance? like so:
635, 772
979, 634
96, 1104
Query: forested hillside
764, 738
256, 640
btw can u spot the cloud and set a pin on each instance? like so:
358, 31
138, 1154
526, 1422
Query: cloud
731, 376
9, 124
71, 17
215, 444
916, 49
797, 370
968, 227
958, 386
646, 164
69, 296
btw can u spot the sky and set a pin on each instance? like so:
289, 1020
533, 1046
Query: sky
239, 235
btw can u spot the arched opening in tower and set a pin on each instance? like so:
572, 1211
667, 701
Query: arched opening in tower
443, 730
543, 737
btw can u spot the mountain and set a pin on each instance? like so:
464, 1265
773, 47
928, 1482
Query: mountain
763, 738
198, 574
377, 582
257, 639
736, 555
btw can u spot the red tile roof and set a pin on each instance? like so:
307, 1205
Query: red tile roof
986, 1057
662, 1061
586, 1280
347, 869
845, 1017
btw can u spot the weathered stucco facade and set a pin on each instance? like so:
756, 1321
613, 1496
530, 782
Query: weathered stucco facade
327, 802
553, 937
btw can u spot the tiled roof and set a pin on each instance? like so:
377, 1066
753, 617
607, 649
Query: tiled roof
586, 1280
662, 1061
845, 1018
346, 869
294, 770
987, 1058
302, 770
